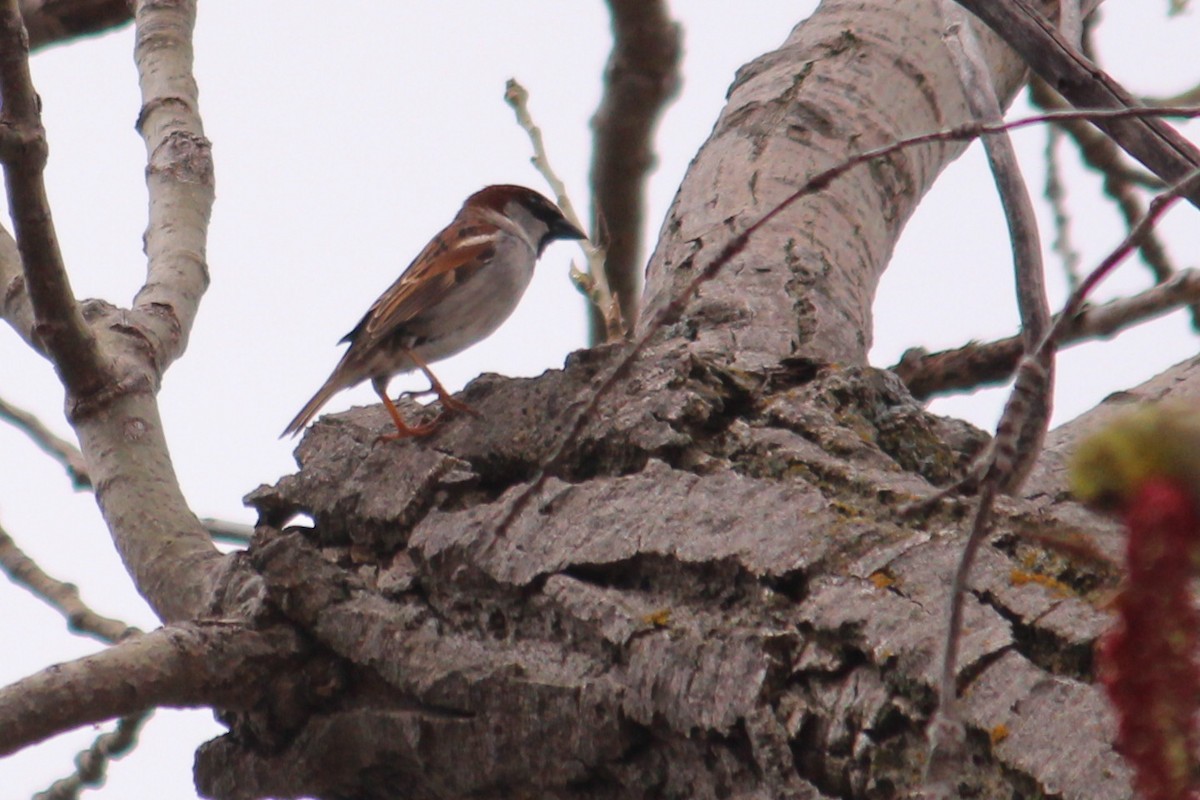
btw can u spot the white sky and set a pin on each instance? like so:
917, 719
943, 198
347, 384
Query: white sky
342, 142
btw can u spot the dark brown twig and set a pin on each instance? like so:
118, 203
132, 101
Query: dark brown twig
1149, 139
59, 322
986, 364
641, 78
1120, 182
1055, 193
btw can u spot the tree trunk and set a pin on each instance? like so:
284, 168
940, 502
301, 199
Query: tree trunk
714, 594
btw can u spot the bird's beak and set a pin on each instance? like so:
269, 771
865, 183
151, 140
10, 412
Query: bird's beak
563, 229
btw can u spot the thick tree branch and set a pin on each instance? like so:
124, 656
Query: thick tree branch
1084, 85
641, 77
185, 666
984, 364
54, 21
169, 554
59, 322
179, 177
806, 288
62, 597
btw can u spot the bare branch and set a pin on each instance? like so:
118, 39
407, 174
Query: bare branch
1055, 193
595, 285
169, 554
641, 78
92, 764
1150, 140
1030, 428
60, 449
59, 325
1100, 153
974, 365
55, 21
63, 597
179, 177
1032, 299
184, 666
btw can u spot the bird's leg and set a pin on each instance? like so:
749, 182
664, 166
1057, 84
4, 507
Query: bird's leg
403, 429
448, 403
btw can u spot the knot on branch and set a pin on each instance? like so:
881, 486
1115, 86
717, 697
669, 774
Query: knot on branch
183, 156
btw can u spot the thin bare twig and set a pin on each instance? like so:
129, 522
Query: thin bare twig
996, 468
640, 79
59, 449
61, 596
593, 283
983, 364
1120, 182
1055, 193
679, 302
1032, 300
966, 54
73, 462
92, 763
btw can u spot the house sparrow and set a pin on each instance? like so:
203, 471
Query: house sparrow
465, 282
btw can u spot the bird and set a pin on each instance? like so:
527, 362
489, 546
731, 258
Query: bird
455, 293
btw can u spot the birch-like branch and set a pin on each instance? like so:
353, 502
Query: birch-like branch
58, 321
172, 559
184, 666
641, 78
179, 177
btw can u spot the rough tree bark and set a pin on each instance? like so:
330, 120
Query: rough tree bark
715, 595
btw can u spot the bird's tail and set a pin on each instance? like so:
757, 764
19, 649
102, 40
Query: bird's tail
331, 387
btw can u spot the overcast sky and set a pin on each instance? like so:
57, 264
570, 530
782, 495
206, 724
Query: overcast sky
342, 143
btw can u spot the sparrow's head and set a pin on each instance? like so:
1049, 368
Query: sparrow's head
541, 219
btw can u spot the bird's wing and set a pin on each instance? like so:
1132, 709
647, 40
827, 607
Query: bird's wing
430, 277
